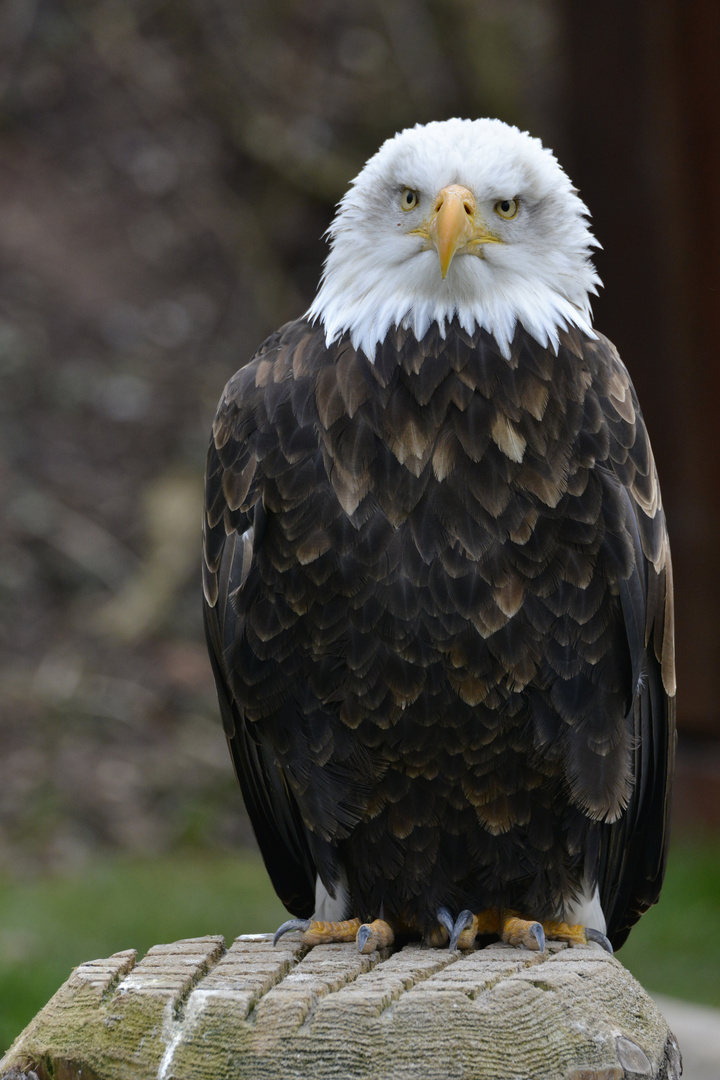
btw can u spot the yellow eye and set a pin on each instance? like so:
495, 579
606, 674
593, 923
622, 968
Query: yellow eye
507, 208
409, 199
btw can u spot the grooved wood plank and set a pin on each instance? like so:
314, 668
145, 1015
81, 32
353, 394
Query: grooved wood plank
193, 1010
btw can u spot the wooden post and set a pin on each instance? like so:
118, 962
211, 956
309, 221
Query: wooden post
196, 1011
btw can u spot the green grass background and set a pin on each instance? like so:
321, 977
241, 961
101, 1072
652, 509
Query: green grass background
50, 924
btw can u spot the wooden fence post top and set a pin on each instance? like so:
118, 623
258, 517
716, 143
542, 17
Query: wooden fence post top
194, 1010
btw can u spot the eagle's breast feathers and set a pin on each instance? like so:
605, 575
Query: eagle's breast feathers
439, 603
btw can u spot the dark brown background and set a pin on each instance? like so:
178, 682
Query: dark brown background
167, 170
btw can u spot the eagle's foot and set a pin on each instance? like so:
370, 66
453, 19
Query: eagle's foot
462, 931
527, 932
319, 933
374, 935
369, 936
576, 935
514, 930
533, 935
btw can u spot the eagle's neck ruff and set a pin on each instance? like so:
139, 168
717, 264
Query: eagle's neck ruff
364, 297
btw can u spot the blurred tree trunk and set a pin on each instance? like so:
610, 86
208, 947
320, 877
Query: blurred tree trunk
642, 125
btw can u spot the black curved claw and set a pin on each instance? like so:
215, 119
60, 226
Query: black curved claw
538, 933
461, 923
456, 927
362, 936
600, 939
290, 925
445, 919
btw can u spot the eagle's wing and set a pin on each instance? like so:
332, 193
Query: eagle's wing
233, 527
633, 850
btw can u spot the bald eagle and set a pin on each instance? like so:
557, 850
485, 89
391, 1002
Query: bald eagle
438, 591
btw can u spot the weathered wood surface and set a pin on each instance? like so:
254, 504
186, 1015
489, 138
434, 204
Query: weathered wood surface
193, 1010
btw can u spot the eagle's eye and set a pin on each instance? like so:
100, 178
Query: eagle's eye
409, 199
507, 208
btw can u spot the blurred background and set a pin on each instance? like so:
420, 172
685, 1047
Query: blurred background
167, 170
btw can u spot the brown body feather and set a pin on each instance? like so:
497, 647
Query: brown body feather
439, 608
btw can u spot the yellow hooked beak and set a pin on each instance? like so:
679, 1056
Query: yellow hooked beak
455, 227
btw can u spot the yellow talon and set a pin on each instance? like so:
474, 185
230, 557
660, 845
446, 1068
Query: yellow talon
325, 933
369, 936
516, 931
562, 931
489, 922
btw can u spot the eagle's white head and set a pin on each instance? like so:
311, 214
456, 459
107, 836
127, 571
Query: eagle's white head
466, 218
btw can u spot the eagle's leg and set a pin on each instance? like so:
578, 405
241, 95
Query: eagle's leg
369, 936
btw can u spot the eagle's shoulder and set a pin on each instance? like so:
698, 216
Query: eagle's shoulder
295, 352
